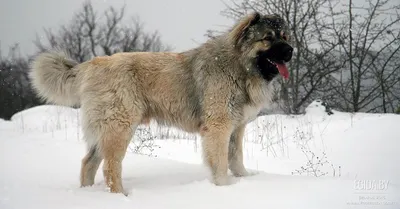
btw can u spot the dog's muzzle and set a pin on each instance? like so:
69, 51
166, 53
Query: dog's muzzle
287, 52
282, 51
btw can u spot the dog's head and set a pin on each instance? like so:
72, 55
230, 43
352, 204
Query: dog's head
263, 40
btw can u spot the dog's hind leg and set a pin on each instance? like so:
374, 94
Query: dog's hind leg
109, 127
114, 143
236, 152
90, 165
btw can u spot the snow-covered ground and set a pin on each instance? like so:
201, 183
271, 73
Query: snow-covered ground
308, 161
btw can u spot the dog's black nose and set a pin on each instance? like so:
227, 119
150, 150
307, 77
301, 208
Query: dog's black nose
287, 52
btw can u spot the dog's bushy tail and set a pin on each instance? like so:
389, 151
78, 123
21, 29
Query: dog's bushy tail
53, 77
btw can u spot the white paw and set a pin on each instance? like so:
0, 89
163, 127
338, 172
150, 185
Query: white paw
243, 172
252, 173
224, 180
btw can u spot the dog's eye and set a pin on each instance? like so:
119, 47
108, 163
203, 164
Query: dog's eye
269, 36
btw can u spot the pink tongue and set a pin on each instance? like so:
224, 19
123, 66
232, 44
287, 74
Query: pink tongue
283, 70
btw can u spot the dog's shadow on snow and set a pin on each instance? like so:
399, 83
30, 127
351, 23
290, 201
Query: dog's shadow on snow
160, 174
164, 174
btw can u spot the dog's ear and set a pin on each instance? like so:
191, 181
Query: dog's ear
240, 29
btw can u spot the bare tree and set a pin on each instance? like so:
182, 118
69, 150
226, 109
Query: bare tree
369, 37
344, 54
90, 34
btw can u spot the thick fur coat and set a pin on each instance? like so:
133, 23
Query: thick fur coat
213, 90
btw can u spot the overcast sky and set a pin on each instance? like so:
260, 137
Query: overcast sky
182, 23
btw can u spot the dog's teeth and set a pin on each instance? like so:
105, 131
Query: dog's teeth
271, 61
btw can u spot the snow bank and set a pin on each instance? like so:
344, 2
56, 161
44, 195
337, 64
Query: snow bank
5, 125
46, 118
313, 160
44, 174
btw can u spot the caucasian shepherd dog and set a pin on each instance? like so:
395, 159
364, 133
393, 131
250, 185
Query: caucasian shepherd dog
214, 90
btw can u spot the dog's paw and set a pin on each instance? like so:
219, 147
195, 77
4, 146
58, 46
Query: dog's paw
117, 190
125, 193
252, 173
224, 180
240, 173
244, 173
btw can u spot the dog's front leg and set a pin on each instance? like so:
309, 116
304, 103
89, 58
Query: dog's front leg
215, 150
236, 152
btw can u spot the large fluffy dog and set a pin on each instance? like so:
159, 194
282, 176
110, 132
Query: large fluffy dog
213, 90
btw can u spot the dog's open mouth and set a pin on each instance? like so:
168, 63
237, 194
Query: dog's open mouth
282, 68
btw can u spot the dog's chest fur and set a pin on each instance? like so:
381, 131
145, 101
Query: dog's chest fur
260, 94
250, 113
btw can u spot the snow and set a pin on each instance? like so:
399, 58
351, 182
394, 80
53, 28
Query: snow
41, 149
46, 118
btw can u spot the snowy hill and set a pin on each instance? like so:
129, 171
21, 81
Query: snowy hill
307, 161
